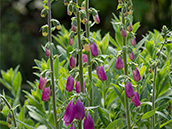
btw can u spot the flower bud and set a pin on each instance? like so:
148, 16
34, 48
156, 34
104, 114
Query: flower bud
83, 5
72, 126
130, 28
46, 94
56, 23
129, 90
70, 9
133, 42
83, 16
44, 30
79, 110
66, 2
86, 47
44, 12
70, 83
135, 99
150, 69
71, 41
101, 73
42, 83
136, 75
119, 64
95, 16
74, 24
131, 55
84, 58
123, 33
94, 49
69, 113
47, 52
72, 62
88, 122
78, 87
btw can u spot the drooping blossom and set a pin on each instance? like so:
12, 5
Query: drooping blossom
79, 110
131, 55
88, 122
136, 75
47, 52
86, 47
129, 90
72, 62
78, 87
84, 58
123, 33
133, 42
96, 18
101, 73
46, 94
70, 83
71, 41
130, 27
69, 113
119, 64
135, 99
42, 83
94, 49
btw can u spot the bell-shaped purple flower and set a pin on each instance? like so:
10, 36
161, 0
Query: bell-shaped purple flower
74, 28
70, 83
96, 18
72, 126
47, 52
101, 73
46, 94
136, 75
119, 64
130, 27
71, 41
129, 90
72, 62
135, 99
69, 113
123, 33
42, 83
133, 42
131, 55
79, 110
78, 87
84, 58
88, 122
94, 49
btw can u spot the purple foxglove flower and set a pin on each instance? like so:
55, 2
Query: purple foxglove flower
131, 56
136, 75
130, 28
69, 113
119, 64
47, 52
46, 94
72, 126
70, 83
74, 28
72, 62
129, 90
85, 59
71, 41
79, 110
123, 33
78, 87
94, 49
88, 122
136, 100
42, 83
133, 42
101, 73
96, 19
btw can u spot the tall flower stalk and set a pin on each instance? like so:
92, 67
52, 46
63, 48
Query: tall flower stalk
52, 67
87, 28
126, 73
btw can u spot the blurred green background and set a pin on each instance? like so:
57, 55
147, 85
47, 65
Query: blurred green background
21, 39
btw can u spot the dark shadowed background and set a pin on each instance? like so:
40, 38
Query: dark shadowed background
21, 39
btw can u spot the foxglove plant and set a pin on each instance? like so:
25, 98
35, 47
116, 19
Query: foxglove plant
72, 62
88, 122
79, 110
70, 83
42, 83
101, 73
94, 49
46, 94
136, 75
119, 64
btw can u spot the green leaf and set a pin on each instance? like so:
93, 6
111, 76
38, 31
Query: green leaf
5, 84
105, 42
56, 68
26, 125
149, 114
150, 47
104, 116
116, 124
17, 83
114, 43
161, 114
165, 123
136, 26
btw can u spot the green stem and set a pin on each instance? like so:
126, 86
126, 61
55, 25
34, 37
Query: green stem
80, 124
126, 72
80, 52
52, 67
153, 96
104, 93
9, 106
87, 28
